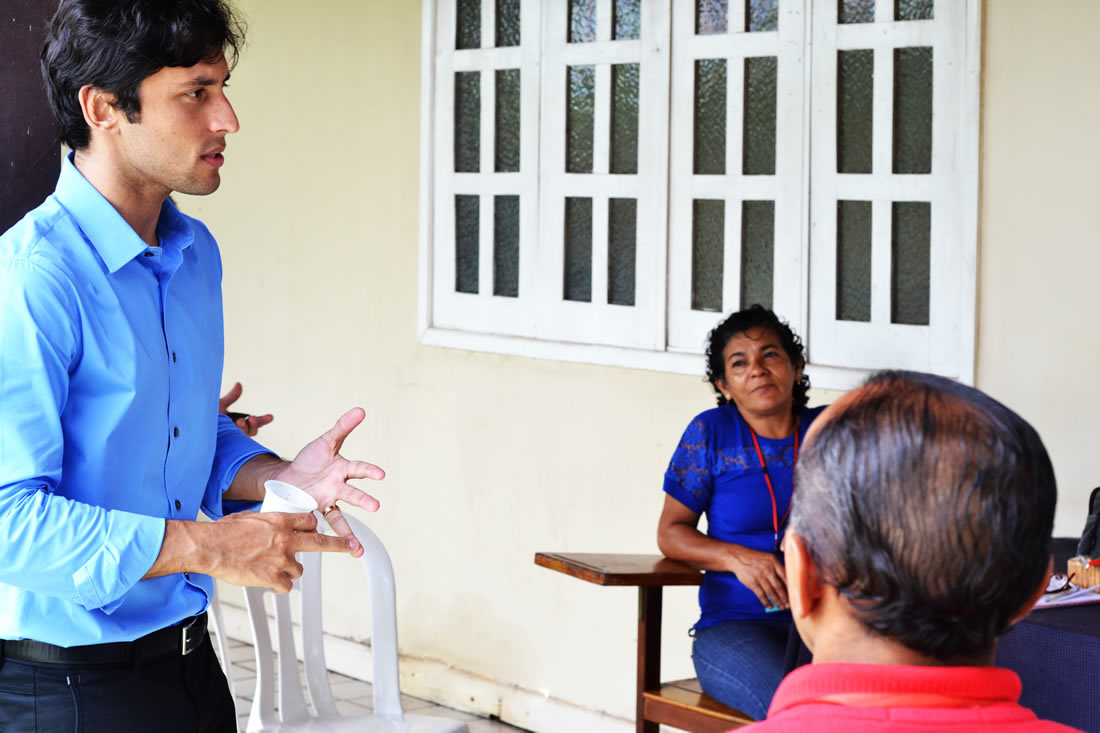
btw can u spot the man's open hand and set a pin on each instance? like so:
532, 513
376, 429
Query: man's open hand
323, 473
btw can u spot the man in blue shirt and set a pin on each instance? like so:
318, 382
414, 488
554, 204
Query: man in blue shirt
110, 366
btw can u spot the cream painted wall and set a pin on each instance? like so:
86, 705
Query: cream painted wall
1039, 248
492, 458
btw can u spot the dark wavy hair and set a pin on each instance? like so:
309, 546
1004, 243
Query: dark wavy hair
115, 45
755, 316
930, 507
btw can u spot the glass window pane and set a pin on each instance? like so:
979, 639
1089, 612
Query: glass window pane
467, 121
578, 249
507, 22
757, 252
855, 72
624, 118
913, 110
855, 11
507, 121
911, 235
580, 119
710, 116
853, 260
762, 15
582, 21
913, 9
506, 246
468, 31
628, 20
758, 149
467, 241
708, 244
711, 16
622, 239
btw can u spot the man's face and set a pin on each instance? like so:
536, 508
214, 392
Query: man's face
177, 141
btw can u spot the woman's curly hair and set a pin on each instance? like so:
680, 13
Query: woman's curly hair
756, 316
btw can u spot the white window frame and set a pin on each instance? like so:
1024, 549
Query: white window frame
671, 339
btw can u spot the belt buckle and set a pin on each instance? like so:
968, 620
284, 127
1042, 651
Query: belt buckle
191, 635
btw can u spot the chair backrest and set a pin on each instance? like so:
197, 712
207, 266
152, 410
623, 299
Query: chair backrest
292, 705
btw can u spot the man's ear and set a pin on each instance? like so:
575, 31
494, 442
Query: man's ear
1036, 594
99, 108
804, 586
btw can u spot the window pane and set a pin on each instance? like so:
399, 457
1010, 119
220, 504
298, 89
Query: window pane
506, 246
507, 120
762, 15
855, 11
913, 9
911, 233
467, 235
507, 22
628, 20
578, 249
708, 242
580, 100
710, 116
624, 118
622, 221
468, 32
853, 260
711, 16
759, 127
913, 110
582, 21
855, 72
467, 121
757, 252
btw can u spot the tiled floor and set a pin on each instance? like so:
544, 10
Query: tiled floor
353, 697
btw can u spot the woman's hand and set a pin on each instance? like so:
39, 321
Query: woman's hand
762, 573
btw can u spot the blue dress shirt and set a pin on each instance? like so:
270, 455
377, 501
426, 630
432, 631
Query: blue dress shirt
110, 367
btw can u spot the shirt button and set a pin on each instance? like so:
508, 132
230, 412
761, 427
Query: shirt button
187, 575
178, 505
175, 432
148, 254
173, 356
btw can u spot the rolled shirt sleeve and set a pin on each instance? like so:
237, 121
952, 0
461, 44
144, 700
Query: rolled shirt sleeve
233, 451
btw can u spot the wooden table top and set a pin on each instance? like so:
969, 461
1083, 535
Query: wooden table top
620, 569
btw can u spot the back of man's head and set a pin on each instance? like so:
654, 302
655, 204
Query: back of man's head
114, 46
930, 507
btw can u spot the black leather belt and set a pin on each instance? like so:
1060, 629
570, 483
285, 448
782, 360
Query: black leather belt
182, 639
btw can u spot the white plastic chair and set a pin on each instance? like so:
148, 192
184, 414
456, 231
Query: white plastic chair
293, 715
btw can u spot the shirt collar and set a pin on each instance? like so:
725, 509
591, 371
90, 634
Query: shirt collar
109, 234
814, 681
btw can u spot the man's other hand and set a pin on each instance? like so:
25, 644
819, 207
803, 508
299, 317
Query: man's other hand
249, 424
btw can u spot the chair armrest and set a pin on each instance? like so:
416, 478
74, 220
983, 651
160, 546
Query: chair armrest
621, 569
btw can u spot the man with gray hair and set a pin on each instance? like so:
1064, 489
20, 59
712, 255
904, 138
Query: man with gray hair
920, 532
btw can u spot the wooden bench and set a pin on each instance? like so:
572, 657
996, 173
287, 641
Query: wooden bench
681, 704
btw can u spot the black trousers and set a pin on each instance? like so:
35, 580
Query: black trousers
166, 694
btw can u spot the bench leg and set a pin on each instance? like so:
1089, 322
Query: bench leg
649, 651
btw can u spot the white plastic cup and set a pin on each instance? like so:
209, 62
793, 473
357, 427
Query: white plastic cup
282, 497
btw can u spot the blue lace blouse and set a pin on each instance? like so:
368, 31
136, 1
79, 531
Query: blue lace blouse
715, 471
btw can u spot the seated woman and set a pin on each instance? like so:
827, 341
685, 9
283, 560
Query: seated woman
735, 463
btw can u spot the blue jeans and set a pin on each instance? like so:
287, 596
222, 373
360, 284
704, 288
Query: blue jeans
740, 663
168, 694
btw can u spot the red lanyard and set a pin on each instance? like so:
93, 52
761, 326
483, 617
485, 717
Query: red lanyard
768, 481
